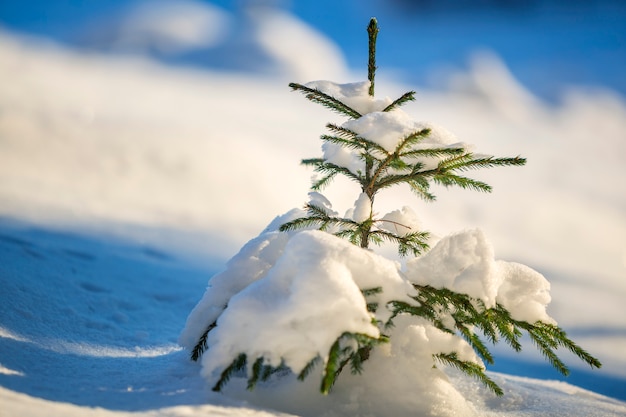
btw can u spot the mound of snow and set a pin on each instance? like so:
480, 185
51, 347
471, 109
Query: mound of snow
286, 298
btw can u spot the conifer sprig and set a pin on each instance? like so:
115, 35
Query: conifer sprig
438, 305
201, 346
236, 365
405, 98
414, 243
349, 348
325, 100
330, 170
318, 217
469, 368
372, 35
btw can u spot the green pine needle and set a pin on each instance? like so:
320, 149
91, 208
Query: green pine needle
236, 365
372, 32
448, 180
405, 98
201, 346
325, 100
469, 368
309, 368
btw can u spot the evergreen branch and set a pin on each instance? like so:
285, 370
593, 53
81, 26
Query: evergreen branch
308, 368
372, 291
270, 370
411, 140
393, 179
545, 345
441, 175
365, 344
357, 359
323, 182
347, 143
501, 318
332, 368
358, 144
201, 346
317, 211
318, 217
372, 32
398, 165
442, 301
312, 161
548, 337
432, 152
339, 357
342, 131
325, 100
487, 324
353, 235
402, 307
420, 187
382, 167
257, 368
417, 181
564, 341
466, 162
475, 342
236, 365
353, 136
320, 212
448, 180
328, 167
300, 223
372, 306
320, 165
406, 97
414, 242
469, 368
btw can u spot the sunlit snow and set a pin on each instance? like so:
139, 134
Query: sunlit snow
168, 172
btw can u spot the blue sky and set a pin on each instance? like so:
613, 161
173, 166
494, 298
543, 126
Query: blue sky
548, 45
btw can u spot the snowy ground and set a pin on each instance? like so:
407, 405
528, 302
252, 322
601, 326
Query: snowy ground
89, 328
125, 185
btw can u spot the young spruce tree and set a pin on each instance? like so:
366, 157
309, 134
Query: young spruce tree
449, 311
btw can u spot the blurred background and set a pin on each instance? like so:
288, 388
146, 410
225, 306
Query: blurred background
171, 122
549, 45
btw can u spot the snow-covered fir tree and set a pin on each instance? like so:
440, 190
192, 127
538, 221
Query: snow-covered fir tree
310, 298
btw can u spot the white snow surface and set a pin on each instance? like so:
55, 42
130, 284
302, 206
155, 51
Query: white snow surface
147, 161
401, 222
464, 262
309, 298
362, 208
